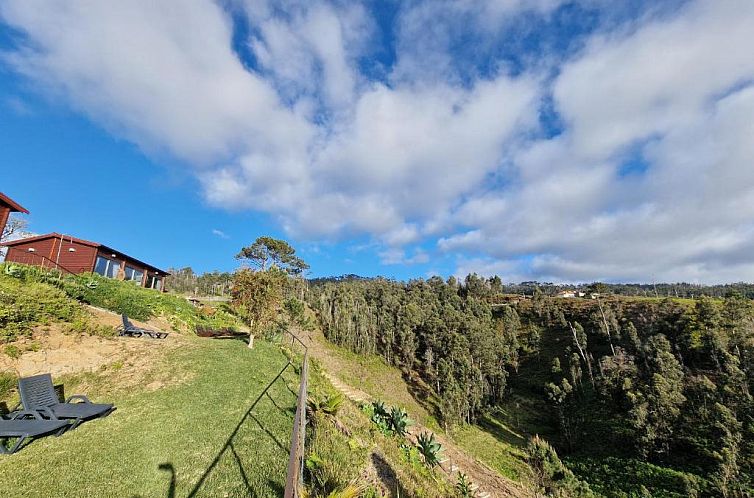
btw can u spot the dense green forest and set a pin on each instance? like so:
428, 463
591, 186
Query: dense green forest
529, 288
633, 392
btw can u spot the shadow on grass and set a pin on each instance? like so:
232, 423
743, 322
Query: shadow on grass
169, 468
229, 447
492, 424
388, 477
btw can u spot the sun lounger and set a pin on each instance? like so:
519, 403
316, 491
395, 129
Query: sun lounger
27, 424
129, 329
38, 394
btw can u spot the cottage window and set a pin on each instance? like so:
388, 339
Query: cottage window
134, 274
106, 267
154, 282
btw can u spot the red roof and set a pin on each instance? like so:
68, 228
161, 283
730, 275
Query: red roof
13, 205
82, 242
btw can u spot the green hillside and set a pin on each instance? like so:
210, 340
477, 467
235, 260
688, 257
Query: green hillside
202, 432
639, 396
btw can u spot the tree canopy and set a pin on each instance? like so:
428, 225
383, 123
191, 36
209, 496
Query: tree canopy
267, 252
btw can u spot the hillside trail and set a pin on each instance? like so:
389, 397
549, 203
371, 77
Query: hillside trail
486, 482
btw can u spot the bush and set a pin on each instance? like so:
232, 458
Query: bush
26, 304
13, 351
551, 476
22, 286
7, 383
627, 477
82, 325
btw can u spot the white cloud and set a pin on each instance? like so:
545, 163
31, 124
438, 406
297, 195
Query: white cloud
163, 76
220, 233
675, 90
431, 149
399, 257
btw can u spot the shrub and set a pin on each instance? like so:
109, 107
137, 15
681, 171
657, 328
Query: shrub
628, 476
12, 351
26, 304
7, 383
53, 292
551, 476
82, 325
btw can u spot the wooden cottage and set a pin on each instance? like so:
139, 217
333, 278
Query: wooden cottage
73, 255
8, 206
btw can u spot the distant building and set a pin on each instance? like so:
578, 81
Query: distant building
566, 293
8, 206
73, 255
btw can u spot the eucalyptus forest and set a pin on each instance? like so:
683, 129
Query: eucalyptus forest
619, 386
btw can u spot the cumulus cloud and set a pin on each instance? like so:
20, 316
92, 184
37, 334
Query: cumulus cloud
674, 95
625, 160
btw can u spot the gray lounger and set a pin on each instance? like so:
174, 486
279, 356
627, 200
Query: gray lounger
38, 393
132, 330
26, 425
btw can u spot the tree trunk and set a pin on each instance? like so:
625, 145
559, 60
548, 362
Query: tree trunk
251, 333
607, 327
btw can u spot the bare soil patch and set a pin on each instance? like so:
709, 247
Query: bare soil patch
51, 350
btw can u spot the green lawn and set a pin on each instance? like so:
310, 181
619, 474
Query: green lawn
193, 437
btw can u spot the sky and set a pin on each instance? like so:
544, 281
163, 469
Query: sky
551, 140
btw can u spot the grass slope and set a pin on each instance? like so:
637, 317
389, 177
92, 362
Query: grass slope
31, 296
192, 437
494, 442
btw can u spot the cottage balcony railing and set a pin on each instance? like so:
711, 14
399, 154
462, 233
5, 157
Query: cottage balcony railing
34, 259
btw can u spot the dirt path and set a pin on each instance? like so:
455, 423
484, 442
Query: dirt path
487, 482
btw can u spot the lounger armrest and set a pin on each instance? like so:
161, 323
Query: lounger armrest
47, 412
26, 413
78, 396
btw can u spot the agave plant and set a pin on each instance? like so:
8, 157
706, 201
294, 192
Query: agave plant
380, 410
329, 405
463, 486
429, 449
332, 404
399, 421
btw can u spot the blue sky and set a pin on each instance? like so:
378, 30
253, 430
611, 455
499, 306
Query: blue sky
546, 139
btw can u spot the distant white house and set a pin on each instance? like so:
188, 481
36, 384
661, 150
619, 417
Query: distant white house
567, 293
